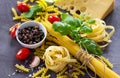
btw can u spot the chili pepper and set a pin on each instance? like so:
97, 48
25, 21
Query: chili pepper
13, 32
14, 26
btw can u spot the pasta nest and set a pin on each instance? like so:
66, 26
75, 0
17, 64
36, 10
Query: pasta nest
56, 58
99, 33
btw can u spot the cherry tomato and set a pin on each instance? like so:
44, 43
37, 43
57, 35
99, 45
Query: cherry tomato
12, 33
23, 7
52, 18
23, 54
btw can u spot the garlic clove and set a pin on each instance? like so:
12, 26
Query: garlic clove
35, 62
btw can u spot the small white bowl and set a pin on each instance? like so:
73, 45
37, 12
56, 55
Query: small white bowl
31, 23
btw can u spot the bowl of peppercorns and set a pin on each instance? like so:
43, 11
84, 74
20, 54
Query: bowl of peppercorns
31, 34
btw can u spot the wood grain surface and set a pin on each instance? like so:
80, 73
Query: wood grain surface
9, 46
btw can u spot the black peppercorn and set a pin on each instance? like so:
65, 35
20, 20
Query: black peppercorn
30, 35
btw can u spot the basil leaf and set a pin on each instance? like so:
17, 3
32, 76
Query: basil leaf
65, 17
62, 28
68, 19
91, 46
91, 21
32, 12
85, 29
78, 22
75, 35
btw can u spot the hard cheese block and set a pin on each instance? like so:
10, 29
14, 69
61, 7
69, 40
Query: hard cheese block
94, 8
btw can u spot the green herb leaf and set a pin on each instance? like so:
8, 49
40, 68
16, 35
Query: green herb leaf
78, 22
68, 19
85, 29
74, 27
62, 28
91, 21
90, 46
32, 12
75, 35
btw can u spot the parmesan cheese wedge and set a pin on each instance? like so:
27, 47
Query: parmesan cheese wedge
93, 8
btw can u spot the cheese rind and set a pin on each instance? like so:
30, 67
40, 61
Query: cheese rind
94, 8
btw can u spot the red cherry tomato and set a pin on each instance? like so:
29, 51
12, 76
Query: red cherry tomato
52, 18
12, 33
23, 54
23, 7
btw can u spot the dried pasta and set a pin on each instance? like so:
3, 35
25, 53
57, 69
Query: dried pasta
42, 3
48, 76
18, 17
56, 58
106, 61
41, 50
40, 15
41, 73
32, 0
22, 68
14, 12
99, 33
62, 74
26, 1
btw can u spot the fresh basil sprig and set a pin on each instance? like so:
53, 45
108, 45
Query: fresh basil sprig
74, 27
32, 12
